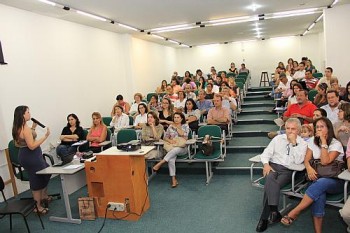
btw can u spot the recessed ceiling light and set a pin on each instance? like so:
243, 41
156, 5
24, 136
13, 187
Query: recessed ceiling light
253, 7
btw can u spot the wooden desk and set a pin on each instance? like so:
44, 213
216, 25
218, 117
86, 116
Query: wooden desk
71, 181
120, 177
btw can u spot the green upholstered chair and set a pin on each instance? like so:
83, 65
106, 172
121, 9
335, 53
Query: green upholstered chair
126, 135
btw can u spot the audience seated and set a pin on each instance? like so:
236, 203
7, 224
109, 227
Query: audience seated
121, 103
175, 86
134, 107
179, 104
346, 96
243, 69
162, 88
151, 132
287, 93
309, 66
192, 114
292, 99
189, 92
166, 115
174, 135
228, 101
218, 115
289, 66
328, 74
332, 107
154, 105
233, 68
342, 126
72, 133
309, 80
203, 104
209, 93
199, 74
325, 147
120, 120
282, 152
171, 94
215, 88
97, 132
202, 84
141, 118
303, 109
321, 98
300, 73
188, 81
283, 85
335, 86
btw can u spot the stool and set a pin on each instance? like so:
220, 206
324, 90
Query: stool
264, 79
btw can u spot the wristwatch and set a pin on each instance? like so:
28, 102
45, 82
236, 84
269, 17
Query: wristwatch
324, 146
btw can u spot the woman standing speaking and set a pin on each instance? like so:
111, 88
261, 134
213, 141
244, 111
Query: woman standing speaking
30, 155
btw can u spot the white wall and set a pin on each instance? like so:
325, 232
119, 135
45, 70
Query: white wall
58, 67
337, 49
257, 55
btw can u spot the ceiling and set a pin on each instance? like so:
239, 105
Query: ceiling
149, 14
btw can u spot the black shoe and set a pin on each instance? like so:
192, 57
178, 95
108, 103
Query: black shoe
262, 225
275, 217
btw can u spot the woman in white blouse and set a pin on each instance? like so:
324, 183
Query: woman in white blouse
141, 118
120, 119
179, 104
325, 147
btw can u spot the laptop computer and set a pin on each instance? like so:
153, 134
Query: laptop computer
66, 159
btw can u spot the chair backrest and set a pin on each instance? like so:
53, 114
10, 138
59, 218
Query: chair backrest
109, 133
311, 95
231, 74
241, 80
126, 135
240, 85
212, 130
107, 120
317, 75
13, 152
131, 120
243, 73
149, 96
242, 76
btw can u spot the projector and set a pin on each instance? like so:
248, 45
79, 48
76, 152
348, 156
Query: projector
129, 146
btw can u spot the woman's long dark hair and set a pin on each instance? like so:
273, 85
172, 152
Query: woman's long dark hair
18, 121
77, 122
193, 104
183, 119
330, 135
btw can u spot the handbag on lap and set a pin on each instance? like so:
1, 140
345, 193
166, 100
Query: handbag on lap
331, 170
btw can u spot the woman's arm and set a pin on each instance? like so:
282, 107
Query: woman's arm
127, 108
103, 135
28, 137
311, 173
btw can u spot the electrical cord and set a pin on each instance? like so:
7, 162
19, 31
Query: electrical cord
104, 220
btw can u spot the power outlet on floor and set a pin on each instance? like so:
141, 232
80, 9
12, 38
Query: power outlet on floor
116, 206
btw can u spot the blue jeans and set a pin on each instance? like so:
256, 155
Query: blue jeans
64, 150
318, 190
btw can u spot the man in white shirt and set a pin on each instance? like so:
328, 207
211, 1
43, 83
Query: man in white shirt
332, 107
282, 152
300, 74
216, 89
328, 74
227, 100
189, 93
283, 85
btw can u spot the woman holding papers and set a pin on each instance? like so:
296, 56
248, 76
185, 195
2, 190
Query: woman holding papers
72, 133
30, 155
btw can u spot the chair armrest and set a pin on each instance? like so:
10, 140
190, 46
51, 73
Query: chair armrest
45, 155
255, 159
105, 143
191, 141
80, 143
160, 143
345, 175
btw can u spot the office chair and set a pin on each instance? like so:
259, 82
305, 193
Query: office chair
22, 207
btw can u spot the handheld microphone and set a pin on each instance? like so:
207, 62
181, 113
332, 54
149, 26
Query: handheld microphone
37, 122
